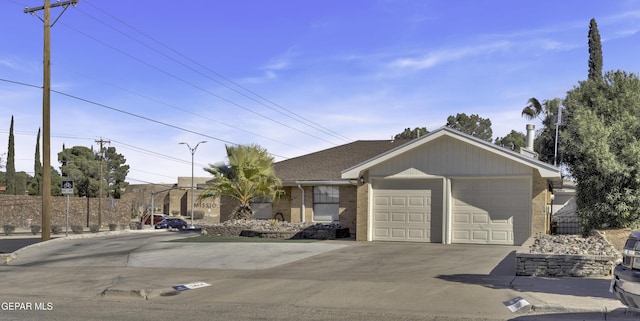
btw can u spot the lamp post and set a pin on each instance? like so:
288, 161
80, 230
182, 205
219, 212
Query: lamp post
193, 152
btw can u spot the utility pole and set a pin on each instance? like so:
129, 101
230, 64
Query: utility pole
101, 141
46, 108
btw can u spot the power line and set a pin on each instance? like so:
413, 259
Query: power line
120, 144
193, 84
132, 114
301, 118
190, 112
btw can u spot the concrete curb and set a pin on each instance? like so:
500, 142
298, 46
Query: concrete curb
145, 294
616, 314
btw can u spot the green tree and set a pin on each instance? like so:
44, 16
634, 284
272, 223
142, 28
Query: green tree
82, 165
411, 134
514, 141
473, 125
595, 52
11, 167
56, 182
547, 113
602, 149
34, 188
115, 172
21, 183
248, 175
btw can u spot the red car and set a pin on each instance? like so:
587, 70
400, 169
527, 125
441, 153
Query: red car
156, 218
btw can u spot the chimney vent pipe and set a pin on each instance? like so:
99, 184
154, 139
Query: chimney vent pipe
531, 130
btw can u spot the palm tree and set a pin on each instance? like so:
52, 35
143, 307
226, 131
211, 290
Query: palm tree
535, 109
248, 175
546, 112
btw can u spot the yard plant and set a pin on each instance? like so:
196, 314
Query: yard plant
249, 175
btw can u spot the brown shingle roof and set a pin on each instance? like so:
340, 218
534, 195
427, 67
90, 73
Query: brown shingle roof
329, 163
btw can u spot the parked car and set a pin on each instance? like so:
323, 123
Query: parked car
171, 222
156, 218
626, 275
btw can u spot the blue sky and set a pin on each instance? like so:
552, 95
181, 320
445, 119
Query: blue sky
292, 76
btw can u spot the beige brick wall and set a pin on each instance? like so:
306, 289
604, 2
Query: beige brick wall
290, 205
540, 199
362, 211
348, 207
284, 205
296, 194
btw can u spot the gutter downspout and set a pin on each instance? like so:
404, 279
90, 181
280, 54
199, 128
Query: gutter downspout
302, 204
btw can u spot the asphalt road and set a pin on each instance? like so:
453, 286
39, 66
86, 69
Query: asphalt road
9, 245
131, 277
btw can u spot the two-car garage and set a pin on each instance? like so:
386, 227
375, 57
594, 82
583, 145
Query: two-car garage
479, 211
450, 187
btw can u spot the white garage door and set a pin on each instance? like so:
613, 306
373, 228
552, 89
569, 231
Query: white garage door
490, 211
403, 210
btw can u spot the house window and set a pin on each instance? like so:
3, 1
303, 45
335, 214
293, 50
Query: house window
326, 203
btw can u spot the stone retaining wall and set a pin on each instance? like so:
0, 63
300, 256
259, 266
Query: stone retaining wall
24, 210
311, 232
561, 265
220, 230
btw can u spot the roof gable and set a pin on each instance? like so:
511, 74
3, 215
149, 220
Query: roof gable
545, 170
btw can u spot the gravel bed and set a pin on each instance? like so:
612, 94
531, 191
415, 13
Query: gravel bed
572, 245
270, 225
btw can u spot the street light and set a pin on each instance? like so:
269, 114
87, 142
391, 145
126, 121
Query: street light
193, 152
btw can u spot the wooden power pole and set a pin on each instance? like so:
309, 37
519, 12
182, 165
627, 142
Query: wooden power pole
101, 141
46, 115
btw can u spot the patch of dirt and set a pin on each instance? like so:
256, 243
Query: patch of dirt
616, 237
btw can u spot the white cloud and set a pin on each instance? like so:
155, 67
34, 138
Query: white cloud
448, 55
7, 63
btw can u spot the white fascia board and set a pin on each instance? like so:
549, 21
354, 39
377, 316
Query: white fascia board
317, 183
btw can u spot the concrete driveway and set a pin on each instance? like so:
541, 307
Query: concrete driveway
385, 280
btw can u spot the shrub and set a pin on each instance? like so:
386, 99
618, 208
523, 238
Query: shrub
198, 215
56, 229
8, 229
123, 227
77, 229
175, 212
35, 229
94, 228
135, 225
113, 226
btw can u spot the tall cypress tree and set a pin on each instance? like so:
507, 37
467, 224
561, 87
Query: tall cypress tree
37, 167
595, 52
11, 167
